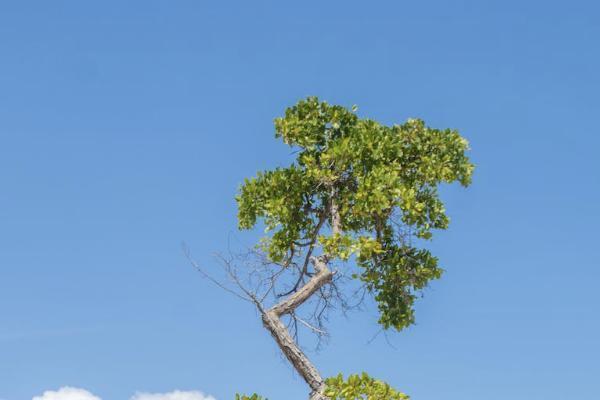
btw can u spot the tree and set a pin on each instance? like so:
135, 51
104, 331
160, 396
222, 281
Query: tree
357, 205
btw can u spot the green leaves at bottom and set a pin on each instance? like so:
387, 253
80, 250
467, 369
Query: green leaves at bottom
253, 397
360, 387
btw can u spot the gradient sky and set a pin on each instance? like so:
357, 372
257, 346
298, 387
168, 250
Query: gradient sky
126, 128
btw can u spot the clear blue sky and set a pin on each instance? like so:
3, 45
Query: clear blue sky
126, 128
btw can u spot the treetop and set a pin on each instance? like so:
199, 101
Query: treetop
382, 181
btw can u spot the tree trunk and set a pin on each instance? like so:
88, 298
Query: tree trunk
292, 352
318, 396
272, 318
272, 321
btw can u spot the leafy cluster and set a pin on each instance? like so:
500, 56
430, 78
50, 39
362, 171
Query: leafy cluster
384, 181
360, 387
356, 387
253, 397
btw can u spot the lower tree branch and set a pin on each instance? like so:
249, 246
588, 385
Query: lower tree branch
322, 277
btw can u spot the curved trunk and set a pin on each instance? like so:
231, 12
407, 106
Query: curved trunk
272, 318
272, 321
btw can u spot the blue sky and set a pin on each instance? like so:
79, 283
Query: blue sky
126, 128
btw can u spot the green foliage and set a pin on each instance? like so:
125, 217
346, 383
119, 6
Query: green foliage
384, 181
356, 387
253, 397
360, 387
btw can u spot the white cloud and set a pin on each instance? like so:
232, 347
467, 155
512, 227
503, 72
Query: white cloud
176, 395
67, 393
71, 393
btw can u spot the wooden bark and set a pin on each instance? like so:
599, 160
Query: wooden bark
272, 321
272, 318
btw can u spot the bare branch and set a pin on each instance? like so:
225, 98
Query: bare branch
313, 241
309, 326
209, 277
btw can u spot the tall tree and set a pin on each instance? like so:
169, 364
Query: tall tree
357, 204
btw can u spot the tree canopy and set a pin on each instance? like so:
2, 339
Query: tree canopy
383, 181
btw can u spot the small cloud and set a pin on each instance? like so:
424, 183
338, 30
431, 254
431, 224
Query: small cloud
67, 393
72, 393
176, 395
